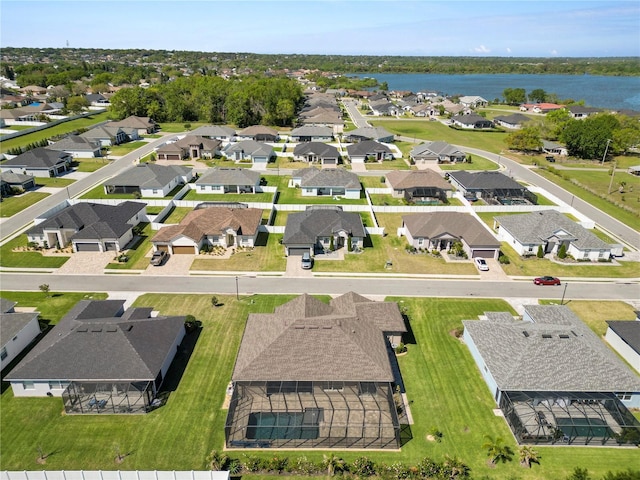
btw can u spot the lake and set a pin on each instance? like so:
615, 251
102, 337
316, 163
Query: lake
597, 91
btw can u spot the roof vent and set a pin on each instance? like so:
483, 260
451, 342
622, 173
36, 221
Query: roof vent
82, 329
546, 335
563, 335
129, 327
525, 333
96, 329
112, 329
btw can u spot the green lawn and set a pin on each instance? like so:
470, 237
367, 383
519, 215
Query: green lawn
596, 313
9, 258
177, 214
90, 164
97, 192
267, 256
395, 164
228, 197
137, 255
386, 199
12, 205
124, 148
477, 163
294, 196
55, 182
60, 129
443, 384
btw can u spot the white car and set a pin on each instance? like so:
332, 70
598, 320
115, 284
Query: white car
481, 263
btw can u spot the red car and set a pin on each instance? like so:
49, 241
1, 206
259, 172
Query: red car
546, 281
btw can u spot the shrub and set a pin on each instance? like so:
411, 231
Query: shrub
251, 463
401, 348
363, 467
382, 179
504, 260
562, 251
540, 253
137, 195
436, 434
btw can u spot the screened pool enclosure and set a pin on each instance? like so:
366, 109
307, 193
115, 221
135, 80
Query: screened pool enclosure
108, 397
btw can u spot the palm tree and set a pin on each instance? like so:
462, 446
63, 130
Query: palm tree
497, 450
333, 464
528, 456
217, 461
454, 468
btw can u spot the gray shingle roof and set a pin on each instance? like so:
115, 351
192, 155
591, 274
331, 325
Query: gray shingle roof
6, 305
457, 224
367, 147
83, 346
537, 227
219, 131
305, 227
513, 119
557, 352
92, 220
307, 340
12, 323
627, 330
254, 130
250, 147
229, 176
336, 177
38, 158
148, 175
312, 131
75, 143
371, 133
320, 149
403, 179
15, 178
436, 148
485, 181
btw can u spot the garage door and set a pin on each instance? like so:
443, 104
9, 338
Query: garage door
181, 250
163, 248
87, 247
298, 251
484, 253
111, 246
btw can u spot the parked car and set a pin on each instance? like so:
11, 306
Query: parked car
546, 281
158, 258
307, 261
481, 263
550, 158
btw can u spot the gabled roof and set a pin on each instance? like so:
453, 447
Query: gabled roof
557, 352
250, 147
149, 175
321, 149
537, 227
15, 178
254, 130
212, 221
38, 158
305, 227
470, 119
214, 131
229, 176
204, 142
457, 224
92, 220
323, 116
404, 179
308, 340
95, 342
134, 121
628, 331
312, 131
580, 109
367, 147
471, 99
437, 148
484, 180
11, 323
75, 143
513, 119
313, 177
102, 131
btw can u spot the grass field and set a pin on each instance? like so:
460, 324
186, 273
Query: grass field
124, 148
90, 164
55, 182
12, 205
443, 384
9, 258
60, 129
177, 214
228, 197
137, 255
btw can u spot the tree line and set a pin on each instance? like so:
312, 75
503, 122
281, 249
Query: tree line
245, 101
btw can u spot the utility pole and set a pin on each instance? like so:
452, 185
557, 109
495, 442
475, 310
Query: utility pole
605, 151
613, 172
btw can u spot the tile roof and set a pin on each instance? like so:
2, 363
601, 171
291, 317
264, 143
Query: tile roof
37, 158
404, 179
320, 149
212, 221
229, 176
537, 227
305, 227
557, 352
484, 180
627, 330
85, 345
457, 224
149, 175
308, 340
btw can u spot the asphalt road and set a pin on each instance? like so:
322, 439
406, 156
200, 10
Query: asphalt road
18, 221
247, 285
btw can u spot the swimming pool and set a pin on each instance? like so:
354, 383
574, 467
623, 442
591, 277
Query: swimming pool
283, 425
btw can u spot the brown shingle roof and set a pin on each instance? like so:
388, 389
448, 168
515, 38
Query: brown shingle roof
403, 179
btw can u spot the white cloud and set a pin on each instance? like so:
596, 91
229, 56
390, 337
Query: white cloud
481, 49
508, 50
554, 52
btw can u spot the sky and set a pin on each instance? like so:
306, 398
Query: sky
518, 28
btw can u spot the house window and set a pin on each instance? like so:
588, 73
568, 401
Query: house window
155, 191
421, 242
624, 396
57, 384
28, 386
3, 353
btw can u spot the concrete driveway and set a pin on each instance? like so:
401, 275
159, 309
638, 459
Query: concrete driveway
86, 263
175, 265
294, 267
495, 271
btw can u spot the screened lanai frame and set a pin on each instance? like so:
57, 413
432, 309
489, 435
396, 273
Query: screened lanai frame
108, 397
296, 414
509, 196
580, 418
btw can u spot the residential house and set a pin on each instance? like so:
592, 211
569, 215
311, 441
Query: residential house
211, 225
472, 121
194, 147
260, 154
472, 101
514, 121
322, 370
418, 186
171, 151
624, 337
437, 152
323, 117
89, 227
216, 132
259, 133
377, 134
97, 100
101, 359
580, 112
228, 180
78, 147
424, 110
383, 107
450, 107
440, 230
10, 183
39, 162
149, 179
19, 330
320, 226
493, 187
311, 134
554, 380
144, 125
317, 152
554, 148
550, 230
369, 151
540, 107
333, 182
107, 135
